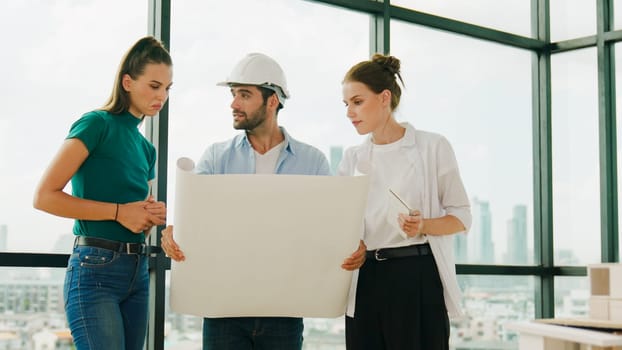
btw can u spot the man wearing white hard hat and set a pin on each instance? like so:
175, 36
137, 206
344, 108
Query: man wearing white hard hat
259, 90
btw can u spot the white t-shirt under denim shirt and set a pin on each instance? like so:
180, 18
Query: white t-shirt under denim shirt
266, 163
422, 169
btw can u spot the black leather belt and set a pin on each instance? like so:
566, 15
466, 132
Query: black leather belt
399, 252
122, 247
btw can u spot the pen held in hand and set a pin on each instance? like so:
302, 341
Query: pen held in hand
410, 211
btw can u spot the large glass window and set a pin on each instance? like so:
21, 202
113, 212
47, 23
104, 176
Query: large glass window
59, 61
576, 191
512, 16
572, 19
31, 309
617, 14
181, 331
489, 303
206, 45
572, 296
52, 77
477, 95
618, 99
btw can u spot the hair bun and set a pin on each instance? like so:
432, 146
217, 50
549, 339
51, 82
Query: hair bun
390, 63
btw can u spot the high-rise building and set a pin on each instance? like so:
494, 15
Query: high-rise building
516, 252
336, 153
481, 248
461, 248
4, 233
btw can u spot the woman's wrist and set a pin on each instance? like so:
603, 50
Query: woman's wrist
116, 212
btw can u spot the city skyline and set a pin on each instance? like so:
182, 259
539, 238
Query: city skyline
32, 311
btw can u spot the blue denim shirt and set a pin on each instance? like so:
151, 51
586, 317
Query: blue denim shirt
237, 156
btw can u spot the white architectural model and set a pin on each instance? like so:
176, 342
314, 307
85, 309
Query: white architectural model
605, 292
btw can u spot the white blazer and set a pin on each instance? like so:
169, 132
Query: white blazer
434, 177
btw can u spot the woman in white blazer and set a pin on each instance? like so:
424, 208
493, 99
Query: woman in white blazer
405, 292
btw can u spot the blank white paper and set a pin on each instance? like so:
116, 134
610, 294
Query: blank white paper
264, 245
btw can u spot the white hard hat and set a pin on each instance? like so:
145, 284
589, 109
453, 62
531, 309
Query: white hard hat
261, 70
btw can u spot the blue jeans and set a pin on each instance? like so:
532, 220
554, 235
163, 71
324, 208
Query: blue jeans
106, 297
258, 333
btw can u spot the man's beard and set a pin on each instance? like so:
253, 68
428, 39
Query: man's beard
251, 122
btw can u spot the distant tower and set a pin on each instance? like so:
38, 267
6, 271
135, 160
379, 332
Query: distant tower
517, 236
4, 233
461, 248
481, 248
336, 153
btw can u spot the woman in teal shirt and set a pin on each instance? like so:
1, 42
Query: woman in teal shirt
110, 164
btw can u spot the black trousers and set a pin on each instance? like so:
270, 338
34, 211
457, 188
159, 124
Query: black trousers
399, 306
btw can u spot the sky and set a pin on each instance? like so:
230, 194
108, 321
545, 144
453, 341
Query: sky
62, 55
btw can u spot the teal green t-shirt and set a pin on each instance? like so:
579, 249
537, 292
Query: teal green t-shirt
120, 164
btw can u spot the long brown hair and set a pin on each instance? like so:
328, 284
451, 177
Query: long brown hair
378, 74
144, 51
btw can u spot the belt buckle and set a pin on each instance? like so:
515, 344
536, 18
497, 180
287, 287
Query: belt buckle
139, 249
377, 257
142, 249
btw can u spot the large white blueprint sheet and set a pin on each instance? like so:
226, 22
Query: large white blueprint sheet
264, 245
